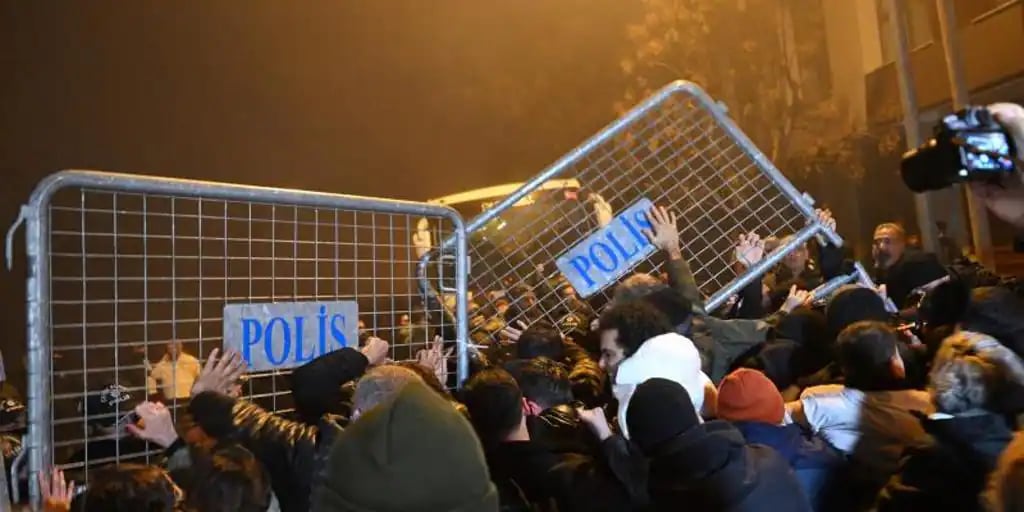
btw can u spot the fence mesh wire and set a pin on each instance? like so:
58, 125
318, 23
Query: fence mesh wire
132, 273
680, 151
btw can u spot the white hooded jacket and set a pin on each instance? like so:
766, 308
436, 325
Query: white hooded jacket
668, 356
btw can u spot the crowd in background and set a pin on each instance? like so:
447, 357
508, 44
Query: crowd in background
773, 402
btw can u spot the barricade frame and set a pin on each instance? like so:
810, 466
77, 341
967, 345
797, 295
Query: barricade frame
803, 203
35, 215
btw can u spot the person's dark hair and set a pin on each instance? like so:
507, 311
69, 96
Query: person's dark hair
997, 312
636, 322
542, 381
853, 304
540, 340
494, 403
945, 304
131, 487
865, 351
636, 286
676, 308
228, 479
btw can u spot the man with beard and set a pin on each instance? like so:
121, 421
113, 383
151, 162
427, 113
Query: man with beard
901, 269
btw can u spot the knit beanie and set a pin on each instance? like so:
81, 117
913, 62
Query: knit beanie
660, 410
747, 395
412, 452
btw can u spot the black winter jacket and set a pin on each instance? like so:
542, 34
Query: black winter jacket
711, 468
567, 482
559, 429
294, 453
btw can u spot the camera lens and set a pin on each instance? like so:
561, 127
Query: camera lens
921, 168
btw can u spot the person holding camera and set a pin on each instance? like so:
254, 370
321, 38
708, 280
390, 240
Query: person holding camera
977, 146
1004, 197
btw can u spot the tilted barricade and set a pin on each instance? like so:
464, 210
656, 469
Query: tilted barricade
677, 149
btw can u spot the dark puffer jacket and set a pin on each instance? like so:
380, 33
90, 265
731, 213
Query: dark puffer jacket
586, 376
813, 460
294, 453
559, 429
710, 467
568, 481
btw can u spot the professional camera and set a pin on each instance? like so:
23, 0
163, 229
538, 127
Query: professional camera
968, 146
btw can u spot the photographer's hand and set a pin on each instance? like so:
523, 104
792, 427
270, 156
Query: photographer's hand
1006, 199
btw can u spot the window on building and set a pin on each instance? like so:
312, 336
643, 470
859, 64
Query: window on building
922, 25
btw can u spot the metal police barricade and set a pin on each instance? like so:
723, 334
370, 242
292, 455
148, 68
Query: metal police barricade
132, 280
677, 149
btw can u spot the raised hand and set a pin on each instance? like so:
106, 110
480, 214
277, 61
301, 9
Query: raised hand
663, 233
597, 421
602, 210
434, 358
513, 333
219, 373
796, 299
375, 350
421, 241
157, 425
825, 218
749, 249
56, 494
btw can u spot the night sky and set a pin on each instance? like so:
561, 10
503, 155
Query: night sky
407, 99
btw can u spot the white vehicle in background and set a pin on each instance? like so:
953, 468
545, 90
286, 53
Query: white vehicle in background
471, 203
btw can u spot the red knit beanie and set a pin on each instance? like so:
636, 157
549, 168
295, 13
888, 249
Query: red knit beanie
747, 395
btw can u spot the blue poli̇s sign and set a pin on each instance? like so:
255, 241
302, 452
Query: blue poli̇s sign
275, 336
610, 252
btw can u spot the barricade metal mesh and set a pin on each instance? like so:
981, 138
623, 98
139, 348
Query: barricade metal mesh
678, 149
132, 273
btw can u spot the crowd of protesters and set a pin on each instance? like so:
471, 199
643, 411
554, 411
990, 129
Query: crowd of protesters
775, 402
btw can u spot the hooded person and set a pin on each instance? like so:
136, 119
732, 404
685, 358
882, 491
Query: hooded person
749, 400
412, 452
668, 356
705, 466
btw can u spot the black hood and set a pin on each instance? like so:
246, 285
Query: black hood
712, 448
981, 438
